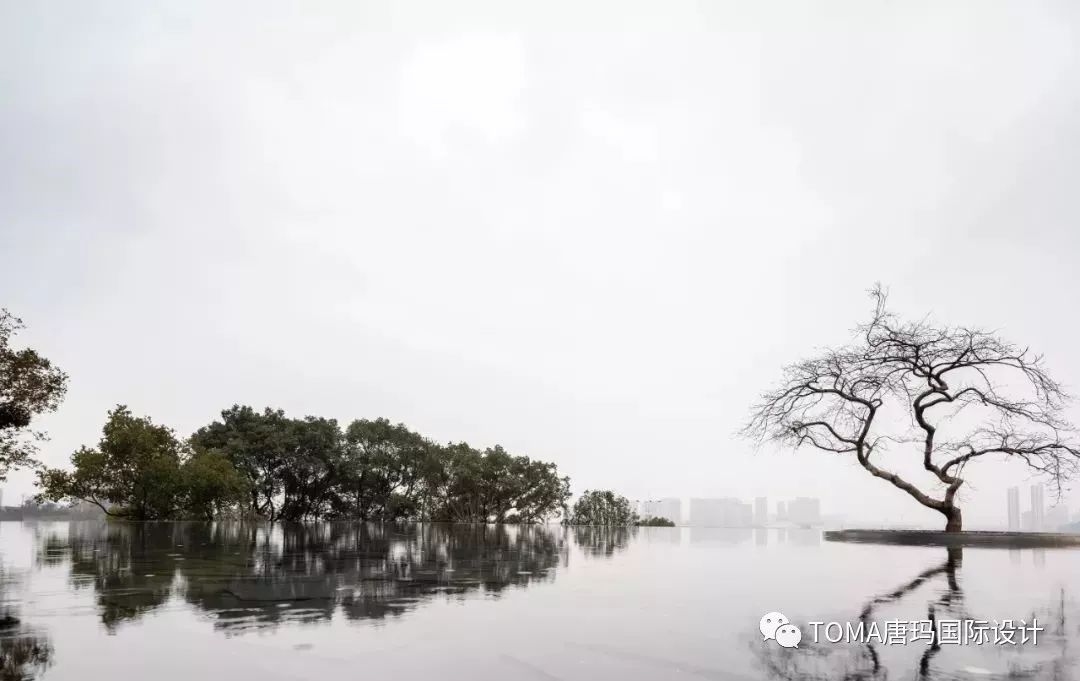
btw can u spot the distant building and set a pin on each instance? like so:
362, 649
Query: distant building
761, 511
1014, 509
1038, 509
1027, 523
720, 513
670, 508
781, 511
744, 515
804, 511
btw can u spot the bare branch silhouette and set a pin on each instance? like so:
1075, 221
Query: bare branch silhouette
833, 402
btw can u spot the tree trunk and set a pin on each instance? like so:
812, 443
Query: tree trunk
953, 519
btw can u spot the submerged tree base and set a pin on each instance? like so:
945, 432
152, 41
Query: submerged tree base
1005, 540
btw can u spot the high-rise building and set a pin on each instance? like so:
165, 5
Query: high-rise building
1038, 509
1014, 509
761, 511
720, 513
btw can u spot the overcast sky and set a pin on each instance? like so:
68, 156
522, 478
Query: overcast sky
589, 231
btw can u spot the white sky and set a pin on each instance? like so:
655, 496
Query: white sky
591, 232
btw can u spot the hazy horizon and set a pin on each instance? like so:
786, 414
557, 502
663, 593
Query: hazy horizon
592, 233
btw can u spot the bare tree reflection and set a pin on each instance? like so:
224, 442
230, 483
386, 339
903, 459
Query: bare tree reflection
824, 661
249, 576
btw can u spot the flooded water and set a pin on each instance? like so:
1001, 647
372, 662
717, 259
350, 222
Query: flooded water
187, 601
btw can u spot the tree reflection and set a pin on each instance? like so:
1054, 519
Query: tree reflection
23, 655
24, 652
131, 572
603, 540
249, 576
824, 661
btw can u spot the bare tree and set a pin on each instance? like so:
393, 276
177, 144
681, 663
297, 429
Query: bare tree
998, 396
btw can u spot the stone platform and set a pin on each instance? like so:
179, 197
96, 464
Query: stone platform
1004, 540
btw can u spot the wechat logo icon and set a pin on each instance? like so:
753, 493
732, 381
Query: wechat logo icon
778, 627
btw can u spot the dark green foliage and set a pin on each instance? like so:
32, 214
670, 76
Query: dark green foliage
385, 471
655, 522
134, 472
258, 445
212, 485
603, 507
140, 470
267, 465
311, 467
493, 486
29, 385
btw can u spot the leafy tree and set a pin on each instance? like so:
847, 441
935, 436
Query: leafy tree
213, 487
29, 385
538, 493
309, 469
493, 486
384, 470
135, 471
455, 485
603, 507
257, 444
969, 397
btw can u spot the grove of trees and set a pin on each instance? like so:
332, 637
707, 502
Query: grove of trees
265, 464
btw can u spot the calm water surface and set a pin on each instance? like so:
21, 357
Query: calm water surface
165, 601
